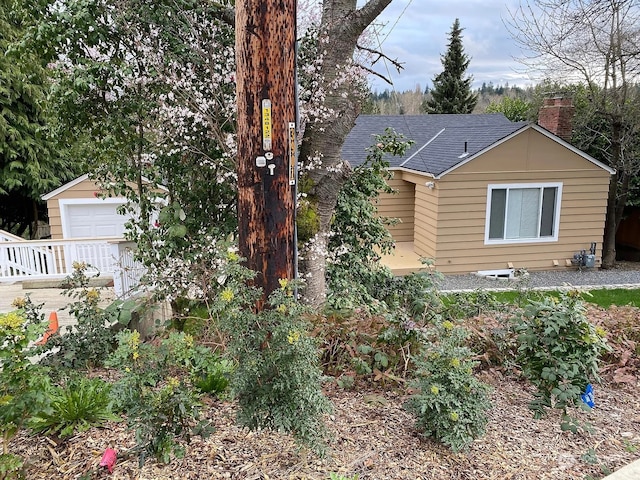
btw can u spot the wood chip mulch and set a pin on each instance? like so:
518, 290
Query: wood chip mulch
374, 437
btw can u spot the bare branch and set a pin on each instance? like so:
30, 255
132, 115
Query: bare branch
373, 72
379, 55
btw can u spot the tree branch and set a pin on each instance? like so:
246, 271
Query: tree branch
225, 13
364, 16
373, 72
395, 62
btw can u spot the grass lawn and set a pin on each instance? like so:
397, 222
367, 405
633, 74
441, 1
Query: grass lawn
603, 297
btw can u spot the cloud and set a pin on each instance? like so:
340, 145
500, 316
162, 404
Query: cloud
416, 33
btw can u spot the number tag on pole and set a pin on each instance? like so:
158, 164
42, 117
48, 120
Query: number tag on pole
266, 125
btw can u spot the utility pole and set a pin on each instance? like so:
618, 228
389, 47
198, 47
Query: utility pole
266, 163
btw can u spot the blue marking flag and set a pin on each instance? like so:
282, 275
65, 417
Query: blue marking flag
587, 396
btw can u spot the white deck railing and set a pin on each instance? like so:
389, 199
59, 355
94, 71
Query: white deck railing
129, 272
9, 237
53, 259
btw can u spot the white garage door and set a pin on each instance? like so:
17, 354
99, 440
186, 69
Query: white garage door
94, 220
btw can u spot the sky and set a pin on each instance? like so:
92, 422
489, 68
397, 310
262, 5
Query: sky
416, 33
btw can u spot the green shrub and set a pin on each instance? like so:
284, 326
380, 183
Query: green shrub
461, 305
11, 466
22, 383
415, 295
382, 344
354, 272
189, 316
208, 372
91, 340
155, 392
75, 407
558, 350
451, 406
277, 381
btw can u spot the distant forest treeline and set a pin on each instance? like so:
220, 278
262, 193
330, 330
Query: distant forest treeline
409, 102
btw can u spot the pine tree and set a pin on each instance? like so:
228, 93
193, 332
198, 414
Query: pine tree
451, 92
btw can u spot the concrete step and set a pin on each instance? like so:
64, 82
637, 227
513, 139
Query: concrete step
630, 472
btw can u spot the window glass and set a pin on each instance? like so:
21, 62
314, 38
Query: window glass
496, 218
548, 207
522, 212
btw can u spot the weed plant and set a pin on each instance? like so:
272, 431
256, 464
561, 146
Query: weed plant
559, 351
75, 407
339, 476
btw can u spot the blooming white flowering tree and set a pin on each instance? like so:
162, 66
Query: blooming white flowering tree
333, 90
147, 94
147, 90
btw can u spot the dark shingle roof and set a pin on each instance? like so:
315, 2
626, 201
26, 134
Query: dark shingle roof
439, 139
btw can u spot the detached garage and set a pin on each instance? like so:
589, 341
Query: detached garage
88, 228
76, 211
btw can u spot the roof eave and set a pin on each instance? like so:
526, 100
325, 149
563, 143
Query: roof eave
575, 150
410, 170
539, 129
66, 186
80, 179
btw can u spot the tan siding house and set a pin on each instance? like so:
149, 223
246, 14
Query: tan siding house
79, 209
400, 205
78, 192
490, 195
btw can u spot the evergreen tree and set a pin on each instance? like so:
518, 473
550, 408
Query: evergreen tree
451, 92
29, 165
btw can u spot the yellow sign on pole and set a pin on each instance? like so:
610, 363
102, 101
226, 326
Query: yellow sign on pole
266, 125
292, 153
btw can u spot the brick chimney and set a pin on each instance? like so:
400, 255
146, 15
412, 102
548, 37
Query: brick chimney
556, 115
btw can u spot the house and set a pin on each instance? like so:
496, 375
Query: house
77, 210
84, 228
479, 193
88, 226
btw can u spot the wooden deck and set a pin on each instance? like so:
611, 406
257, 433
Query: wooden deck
403, 260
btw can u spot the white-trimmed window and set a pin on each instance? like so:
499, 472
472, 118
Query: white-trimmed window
523, 212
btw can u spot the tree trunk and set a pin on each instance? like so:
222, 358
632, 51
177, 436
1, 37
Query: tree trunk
34, 221
340, 28
618, 195
609, 241
265, 57
617, 199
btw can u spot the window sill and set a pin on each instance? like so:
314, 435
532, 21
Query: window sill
520, 241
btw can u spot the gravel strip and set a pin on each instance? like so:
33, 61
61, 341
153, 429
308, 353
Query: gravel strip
616, 278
